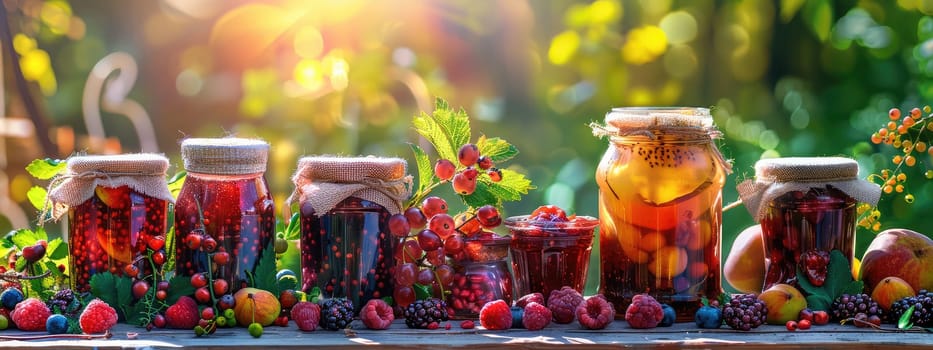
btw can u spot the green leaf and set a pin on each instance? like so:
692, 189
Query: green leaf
124, 287
838, 275
425, 170
904, 321
456, 124
481, 196
20, 264
58, 249
25, 237
315, 295
264, 276
44, 169
37, 197
819, 302
175, 183
818, 14
53, 269
287, 283
853, 288
422, 292
429, 128
498, 150
178, 287
104, 286
293, 231
512, 186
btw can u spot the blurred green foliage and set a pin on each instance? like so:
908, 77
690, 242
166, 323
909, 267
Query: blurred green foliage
784, 78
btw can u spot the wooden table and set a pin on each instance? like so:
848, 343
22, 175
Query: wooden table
683, 335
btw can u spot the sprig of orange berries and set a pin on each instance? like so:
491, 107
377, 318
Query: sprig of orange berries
911, 135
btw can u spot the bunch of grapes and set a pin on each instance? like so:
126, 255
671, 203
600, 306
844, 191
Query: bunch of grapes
430, 240
910, 136
463, 180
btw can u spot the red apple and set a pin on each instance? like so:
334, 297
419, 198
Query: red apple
900, 253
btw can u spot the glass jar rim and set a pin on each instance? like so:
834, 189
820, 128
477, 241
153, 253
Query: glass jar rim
522, 225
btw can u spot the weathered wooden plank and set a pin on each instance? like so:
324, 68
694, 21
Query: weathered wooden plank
683, 335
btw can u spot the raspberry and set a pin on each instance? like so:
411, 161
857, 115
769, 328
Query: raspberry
97, 317
563, 304
468, 324
596, 313
495, 315
535, 297
537, 316
183, 315
30, 315
307, 315
644, 312
377, 314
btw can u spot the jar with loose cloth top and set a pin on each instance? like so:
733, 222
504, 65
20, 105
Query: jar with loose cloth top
115, 204
806, 208
660, 207
345, 203
224, 208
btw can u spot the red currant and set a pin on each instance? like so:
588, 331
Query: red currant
820, 317
443, 225
410, 251
405, 274
894, 114
220, 286
463, 185
425, 277
805, 314
140, 288
791, 325
209, 244
198, 280
193, 241
161, 294
207, 313
454, 243
444, 169
158, 321
470, 172
156, 243
221, 258
158, 258
399, 226
416, 218
433, 205
488, 216
403, 295
445, 275
468, 154
494, 174
484, 162
436, 257
162, 285
226, 302
202, 295
130, 270
428, 240
803, 324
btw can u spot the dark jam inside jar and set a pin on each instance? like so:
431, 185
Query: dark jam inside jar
801, 228
237, 212
483, 276
548, 255
348, 251
109, 230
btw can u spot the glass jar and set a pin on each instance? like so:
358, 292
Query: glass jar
806, 208
225, 201
116, 204
548, 255
345, 203
660, 207
482, 276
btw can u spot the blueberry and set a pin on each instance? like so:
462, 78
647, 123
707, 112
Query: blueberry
56, 324
11, 297
708, 317
517, 314
669, 316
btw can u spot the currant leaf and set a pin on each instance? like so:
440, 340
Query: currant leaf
44, 169
456, 124
432, 131
512, 186
37, 196
425, 171
264, 276
497, 149
25, 237
481, 196
177, 287
58, 249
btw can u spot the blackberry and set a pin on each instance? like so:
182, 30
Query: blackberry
745, 312
923, 308
64, 302
421, 313
336, 313
847, 306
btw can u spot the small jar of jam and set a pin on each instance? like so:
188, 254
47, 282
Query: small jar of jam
226, 206
345, 203
660, 207
481, 276
116, 205
806, 208
550, 250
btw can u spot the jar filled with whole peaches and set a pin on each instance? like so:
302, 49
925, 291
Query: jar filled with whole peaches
807, 208
116, 208
345, 203
660, 207
224, 214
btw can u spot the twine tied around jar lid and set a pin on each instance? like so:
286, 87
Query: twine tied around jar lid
143, 173
326, 181
777, 176
225, 156
687, 123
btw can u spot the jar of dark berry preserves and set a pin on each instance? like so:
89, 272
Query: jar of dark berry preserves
224, 214
806, 208
550, 250
482, 275
116, 208
660, 207
345, 204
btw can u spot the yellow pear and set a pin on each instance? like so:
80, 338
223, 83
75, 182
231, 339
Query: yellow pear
784, 303
744, 268
889, 290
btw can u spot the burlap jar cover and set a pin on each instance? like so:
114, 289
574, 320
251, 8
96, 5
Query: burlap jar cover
225, 156
775, 177
143, 173
323, 182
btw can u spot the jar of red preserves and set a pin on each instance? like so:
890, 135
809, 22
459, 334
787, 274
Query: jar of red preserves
806, 208
116, 205
482, 275
225, 206
345, 204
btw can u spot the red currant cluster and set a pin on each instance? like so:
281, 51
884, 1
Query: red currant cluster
464, 180
910, 135
430, 240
